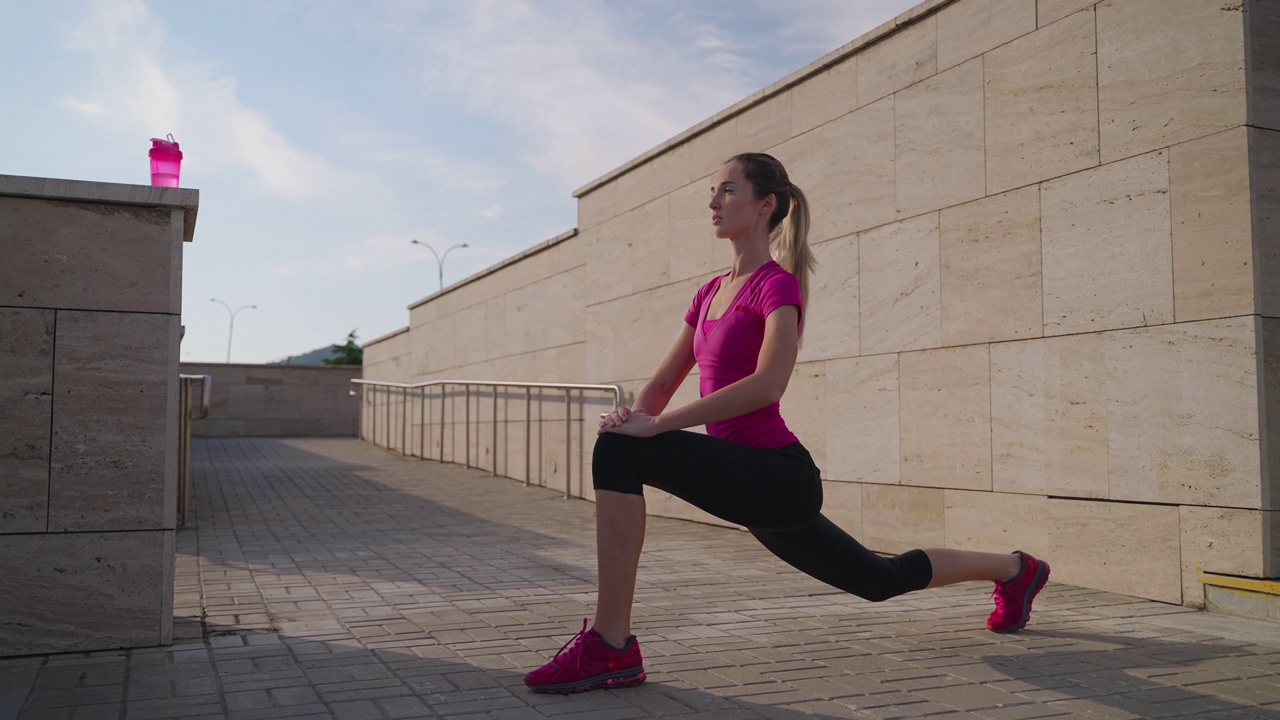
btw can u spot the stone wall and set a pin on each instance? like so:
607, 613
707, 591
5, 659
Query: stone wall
90, 295
278, 400
1045, 312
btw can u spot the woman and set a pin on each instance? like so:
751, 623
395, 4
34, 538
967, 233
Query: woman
743, 331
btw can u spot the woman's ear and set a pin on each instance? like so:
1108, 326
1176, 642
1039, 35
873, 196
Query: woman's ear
770, 203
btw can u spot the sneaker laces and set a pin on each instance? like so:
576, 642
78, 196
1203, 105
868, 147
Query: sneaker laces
998, 598
582, 634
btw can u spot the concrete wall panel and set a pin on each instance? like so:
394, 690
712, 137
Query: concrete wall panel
970, 28
997, 522
1212, 234
902, 59
1170, 81
946, 417
1182, 409
1126, 548
939, 141
863, 420
899, 268
990, 272
1105, 241
1041, 105
1049, 417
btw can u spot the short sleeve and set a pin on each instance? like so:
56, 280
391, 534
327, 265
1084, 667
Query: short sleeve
695, 308
779, 290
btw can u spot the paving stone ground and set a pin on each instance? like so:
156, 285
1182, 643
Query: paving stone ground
326, 578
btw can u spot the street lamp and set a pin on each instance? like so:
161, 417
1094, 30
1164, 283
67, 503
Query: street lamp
439, 258
231, 328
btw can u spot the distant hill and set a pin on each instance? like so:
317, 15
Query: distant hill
315, 357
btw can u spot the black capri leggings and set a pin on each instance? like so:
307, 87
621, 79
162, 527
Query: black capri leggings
775, 493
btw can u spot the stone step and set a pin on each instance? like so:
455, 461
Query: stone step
1245, 597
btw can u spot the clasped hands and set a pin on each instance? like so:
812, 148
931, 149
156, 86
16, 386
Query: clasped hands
626, 421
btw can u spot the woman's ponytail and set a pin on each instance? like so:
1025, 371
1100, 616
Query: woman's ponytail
791, 243
789, 240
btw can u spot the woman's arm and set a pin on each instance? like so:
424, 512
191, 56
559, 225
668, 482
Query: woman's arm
763, 387
654, 396
674, 368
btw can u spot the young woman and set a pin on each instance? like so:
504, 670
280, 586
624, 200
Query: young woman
743, 331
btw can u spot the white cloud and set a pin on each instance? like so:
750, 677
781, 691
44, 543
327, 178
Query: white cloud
129, 84
371, 256
88, 107
820, 26
585, 89
220, 121
590, 84
409, 153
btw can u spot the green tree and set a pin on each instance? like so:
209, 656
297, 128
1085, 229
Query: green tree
349, 353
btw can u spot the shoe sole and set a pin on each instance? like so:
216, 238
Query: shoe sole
613, 681
1042, 577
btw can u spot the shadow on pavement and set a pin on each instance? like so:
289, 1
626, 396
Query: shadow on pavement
1147, 677
272, 504
237, 674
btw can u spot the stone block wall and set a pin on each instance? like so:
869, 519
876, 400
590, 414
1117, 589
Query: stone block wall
1045, 315
90, 296
277, 400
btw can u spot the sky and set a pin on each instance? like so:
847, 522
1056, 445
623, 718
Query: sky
325, 135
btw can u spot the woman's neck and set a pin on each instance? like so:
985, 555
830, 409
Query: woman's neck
749, 254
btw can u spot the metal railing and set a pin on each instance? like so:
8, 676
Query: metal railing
189, 408
387, 417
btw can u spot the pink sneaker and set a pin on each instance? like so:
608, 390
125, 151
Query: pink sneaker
1013, 597
589, 663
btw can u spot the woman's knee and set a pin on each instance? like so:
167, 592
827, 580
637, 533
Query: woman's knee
901, 574
613, 464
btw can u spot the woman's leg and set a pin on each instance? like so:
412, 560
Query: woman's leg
620, 520
824, 552
955, 566
827, 553
733, 482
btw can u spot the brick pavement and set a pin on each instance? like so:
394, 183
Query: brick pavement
329, 579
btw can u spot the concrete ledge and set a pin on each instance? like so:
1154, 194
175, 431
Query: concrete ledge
1245, 597
188, 199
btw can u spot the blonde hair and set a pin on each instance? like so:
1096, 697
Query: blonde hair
790, 240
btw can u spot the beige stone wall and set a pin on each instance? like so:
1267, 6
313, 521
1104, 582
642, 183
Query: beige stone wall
278, 400
90, 294
524, 321
1044, 314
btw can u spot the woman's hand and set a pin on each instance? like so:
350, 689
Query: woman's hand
628, 421
613, 419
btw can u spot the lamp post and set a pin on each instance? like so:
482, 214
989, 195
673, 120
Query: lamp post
439, 258
232, 327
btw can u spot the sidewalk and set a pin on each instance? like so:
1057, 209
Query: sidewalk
326, 578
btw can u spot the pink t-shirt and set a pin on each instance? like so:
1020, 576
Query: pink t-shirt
727, 349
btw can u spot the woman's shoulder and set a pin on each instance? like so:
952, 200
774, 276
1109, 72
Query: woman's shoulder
710, 285
774, 275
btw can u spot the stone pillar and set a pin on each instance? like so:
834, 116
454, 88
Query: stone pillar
90, 296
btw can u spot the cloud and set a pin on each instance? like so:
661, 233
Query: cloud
590, 84
382, 256
816, 27
85, 106
408, 153
129, 85
372, 256
584, 87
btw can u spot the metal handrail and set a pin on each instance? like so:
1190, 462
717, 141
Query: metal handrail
528, 388
188, 410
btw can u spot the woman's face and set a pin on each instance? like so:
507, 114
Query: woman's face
735, 211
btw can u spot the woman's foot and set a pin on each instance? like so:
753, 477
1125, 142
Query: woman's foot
1013, 597
588, 662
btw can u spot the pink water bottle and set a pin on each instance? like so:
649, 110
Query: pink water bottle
166, 162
